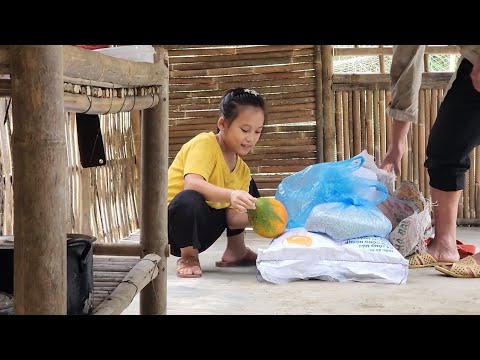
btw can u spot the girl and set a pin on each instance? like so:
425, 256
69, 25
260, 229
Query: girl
210, 187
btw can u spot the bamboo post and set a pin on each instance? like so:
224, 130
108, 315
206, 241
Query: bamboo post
381, 61
357, 123
383, 130
348, 98
153, 223
328, 103
369, 121
347, 121
338, 125
423, 109
376, 127
361, 129
319, 101
39, 167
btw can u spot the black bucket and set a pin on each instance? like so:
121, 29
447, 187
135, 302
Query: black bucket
79, 274
6, 304
79, 271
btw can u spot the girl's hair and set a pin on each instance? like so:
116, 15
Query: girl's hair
237, 97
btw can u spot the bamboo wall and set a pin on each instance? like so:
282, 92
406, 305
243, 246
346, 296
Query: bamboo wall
283, 74
101, 200
302, 129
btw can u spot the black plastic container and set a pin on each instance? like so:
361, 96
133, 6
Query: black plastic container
6, 304
79, 271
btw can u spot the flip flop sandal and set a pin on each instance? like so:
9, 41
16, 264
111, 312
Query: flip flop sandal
250, 259
188, 262
417, 261
467, 269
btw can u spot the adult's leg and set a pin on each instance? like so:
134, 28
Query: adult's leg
455, 134
192, 228
236, 249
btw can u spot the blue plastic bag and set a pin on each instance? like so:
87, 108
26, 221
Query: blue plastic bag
327, 182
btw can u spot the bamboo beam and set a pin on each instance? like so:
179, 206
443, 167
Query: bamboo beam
236, 50
39, 164
95, 66
117, 249
153, 223
81, 102
92, 105
215, 58
328, 102
428, 79
145, 271
448, 49
319, 102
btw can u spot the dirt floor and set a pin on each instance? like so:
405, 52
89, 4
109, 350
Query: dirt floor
237, 291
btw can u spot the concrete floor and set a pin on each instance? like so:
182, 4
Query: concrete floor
237, 291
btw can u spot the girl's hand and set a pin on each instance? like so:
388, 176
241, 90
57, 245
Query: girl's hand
242, 201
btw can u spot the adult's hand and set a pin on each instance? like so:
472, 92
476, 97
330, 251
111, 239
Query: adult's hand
396, 149
393, 158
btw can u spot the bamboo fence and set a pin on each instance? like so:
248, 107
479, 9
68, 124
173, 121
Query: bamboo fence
102, 200
314, 114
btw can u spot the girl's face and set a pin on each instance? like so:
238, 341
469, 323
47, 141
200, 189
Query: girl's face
241, 135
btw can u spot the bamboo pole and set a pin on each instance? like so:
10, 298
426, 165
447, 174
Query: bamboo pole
426, 133
369, 121
350, 121
347, 118
39, 163
242, 50
383, 130
448, 49
338, 126
376, 127
361, 131
382, 80
328, 103
357, 124
319, 102
287, 59
421, 139
381, 61
153, 223
142, 274
466, 197
78, 62
135, 121
92, 105
247, 56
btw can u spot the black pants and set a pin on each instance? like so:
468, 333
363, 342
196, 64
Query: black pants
191, 222
455, 133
